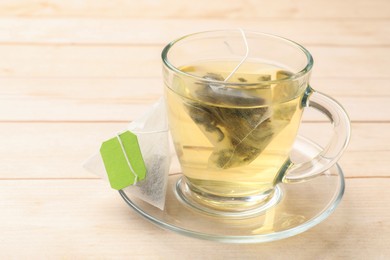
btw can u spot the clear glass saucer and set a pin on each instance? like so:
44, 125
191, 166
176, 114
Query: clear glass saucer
302, 206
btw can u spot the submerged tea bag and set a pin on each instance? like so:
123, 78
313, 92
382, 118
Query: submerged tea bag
239, 135
152, 137
240, 125
237, 120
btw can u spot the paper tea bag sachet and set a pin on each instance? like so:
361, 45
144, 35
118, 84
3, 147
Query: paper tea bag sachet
239, 134
137, 159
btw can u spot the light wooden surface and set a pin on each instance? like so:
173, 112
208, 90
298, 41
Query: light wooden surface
73, 72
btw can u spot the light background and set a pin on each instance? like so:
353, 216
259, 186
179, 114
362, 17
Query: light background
73, 72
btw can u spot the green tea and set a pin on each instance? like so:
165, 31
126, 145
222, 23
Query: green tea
232, 139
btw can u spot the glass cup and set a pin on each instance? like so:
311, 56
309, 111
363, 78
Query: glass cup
235, 101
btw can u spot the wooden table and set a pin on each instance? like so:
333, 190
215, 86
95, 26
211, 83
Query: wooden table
74, 72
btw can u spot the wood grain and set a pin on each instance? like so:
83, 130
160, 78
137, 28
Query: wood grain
115, 88
144, 61
85, 219
58, 150
125, 99
129, 107
245, 9
117, 32
73, 73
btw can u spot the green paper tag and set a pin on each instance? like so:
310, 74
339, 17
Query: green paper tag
123, 160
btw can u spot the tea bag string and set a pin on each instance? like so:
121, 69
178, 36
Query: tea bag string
150, 132
245, 57
127, 159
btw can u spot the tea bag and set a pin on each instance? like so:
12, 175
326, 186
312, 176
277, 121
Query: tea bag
236, 121
239, 135
152, 135
238, 131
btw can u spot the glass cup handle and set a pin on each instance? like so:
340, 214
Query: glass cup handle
339, 141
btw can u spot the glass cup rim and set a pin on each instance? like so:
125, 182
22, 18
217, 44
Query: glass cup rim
293, 76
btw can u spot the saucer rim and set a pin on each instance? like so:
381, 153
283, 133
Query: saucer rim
259, 238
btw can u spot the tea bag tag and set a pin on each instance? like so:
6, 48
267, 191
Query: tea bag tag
123, 160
